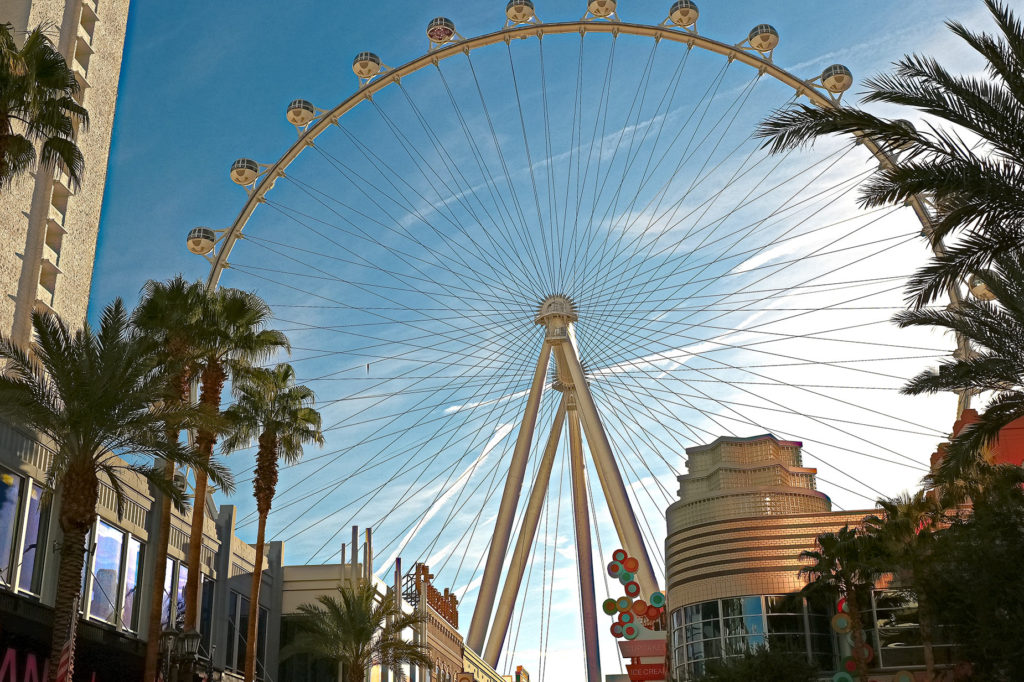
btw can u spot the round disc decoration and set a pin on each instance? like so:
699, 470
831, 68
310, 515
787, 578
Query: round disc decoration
842, 676
619, 555
625, 577
841, 623
617, 629
614, 568
624, 604
640, 607
610, 607
631, 564
630, 631
657, 599
653, 613
863, 653
633, 589
849, 664
903, 676
626, 617
842, 607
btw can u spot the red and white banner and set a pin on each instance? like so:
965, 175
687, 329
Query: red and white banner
645, 672
642, 648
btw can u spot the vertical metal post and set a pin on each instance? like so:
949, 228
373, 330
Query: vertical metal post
607, 471
507, 509
527, 533
584, 551
368, 556
355, 555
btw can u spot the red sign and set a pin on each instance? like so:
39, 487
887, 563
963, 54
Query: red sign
642, 672
642, 648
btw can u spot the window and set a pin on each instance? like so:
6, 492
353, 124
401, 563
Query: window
179, 599
10, 498
238, 628
34, 543
106, 573
165, 614
206, 615
132, 578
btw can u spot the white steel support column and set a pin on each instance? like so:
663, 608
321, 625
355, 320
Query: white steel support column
507, 509
524, 543
584, 551
607, 471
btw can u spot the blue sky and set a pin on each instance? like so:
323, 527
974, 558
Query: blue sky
428, 420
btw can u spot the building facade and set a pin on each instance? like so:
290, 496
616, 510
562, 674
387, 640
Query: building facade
747, 507
48, 229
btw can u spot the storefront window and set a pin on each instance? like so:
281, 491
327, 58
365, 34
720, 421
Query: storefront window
106, 573
238, 628
35, 542
132, 577
206, 614
165, 614
10, 496
179, 600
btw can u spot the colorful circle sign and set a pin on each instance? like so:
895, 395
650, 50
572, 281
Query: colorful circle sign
842, 677
841, 623
630, 631
610, 607
639, 607
863, 653
657, 599
842, 606
619, 555
653, 613
625, 617
625, 576
632, 589
617, 629
903, 676
849, 664
631, 564
623, 604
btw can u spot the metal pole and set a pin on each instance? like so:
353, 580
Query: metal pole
517, 566
584, 551
507, 510
607, 471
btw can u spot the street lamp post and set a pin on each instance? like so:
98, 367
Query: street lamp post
180, 651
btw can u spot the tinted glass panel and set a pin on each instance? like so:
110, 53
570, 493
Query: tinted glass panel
35, 541
106, 573
179, 596
169, 579
133, 575
243, 629
10, 495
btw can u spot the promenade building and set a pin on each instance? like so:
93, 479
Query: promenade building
747, 507
48, 228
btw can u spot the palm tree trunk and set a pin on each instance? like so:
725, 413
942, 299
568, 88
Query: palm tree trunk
925, 623
213, 377
79, 495
254, 602
159, 576
264, 485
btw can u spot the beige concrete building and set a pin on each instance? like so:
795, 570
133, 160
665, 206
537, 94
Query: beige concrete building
48, 230
746, 510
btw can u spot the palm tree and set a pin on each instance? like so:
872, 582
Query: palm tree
231, 337
270, 409
37, 105
976, 188
167, 314
844, 564
995, 329
905, 533
358, 630
90, 394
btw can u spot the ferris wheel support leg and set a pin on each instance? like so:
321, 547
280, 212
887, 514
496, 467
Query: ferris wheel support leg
614, 489
524, 543
507, 509
584, 550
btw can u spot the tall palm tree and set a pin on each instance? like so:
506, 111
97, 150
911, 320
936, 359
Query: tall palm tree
905, 535
90, 394
232, 336
37, 106
995, 329
270, 409
977, 188
844, 564
359, 629
168, 314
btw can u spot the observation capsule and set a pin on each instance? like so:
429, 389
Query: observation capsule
836, 79
244, 172
440, 30
979, 289
601, 8
201, 240
366, 65
684, 13
300, 112
519, 11
763, 37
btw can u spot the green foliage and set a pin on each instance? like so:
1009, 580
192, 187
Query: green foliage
37, 106
762, 665
977, 189
974, 580
358, 628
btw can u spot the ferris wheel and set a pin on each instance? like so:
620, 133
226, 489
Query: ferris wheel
535, 265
